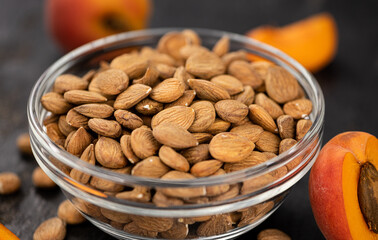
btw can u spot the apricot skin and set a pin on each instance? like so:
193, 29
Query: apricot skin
333, 186
73, 23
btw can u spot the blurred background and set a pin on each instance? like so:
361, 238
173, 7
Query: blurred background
349, 83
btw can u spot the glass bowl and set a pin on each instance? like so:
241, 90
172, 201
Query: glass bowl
217, 207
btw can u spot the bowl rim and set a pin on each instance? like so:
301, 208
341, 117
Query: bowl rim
37, 129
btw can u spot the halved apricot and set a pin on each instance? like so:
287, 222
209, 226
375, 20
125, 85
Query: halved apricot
311, 41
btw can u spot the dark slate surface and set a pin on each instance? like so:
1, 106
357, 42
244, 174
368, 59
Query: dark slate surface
350, 86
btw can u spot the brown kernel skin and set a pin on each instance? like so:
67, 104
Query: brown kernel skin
41, 180
9, 183
139, 113
272, 234
68, 213
53, 228
23, 144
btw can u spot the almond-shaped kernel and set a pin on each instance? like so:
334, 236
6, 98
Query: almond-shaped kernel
250, 131
231, 110
108, 185
234, 56
180, 115
230, 147
174, 136
154, 57
133, 65
136, 230
303, 126
9, 183
55, 103
41, 180
109, 153
268, 142
185, 192
143, 142
222, 46
151, 167
222, 222
168, 90
217, 189
82, 97
128, 119
68, 213
205, 168
158, 224
244, 121
88, 156
23, 144
173, 159
50, 118
261, 67
185, 100
53, 132
67, 82
177, 231
131, 96
138, 194
191, 36
94, 87
171, 43
112, 81
79, 141
204, 116
286, 144
149, 78
231, 193
149, 107
218, 126
247, 96
165, 71
53, 228
256, 183
127, 149
286, 126
196, 154
95, 110
231, 84
207, 90
299, 108
182, 75
161, 200
188, 50
205, 65
269, 105
63, 126
261, 117
203, 137
243, 71
254, 159
76, 120
280, 85
106, 128
67, 140
272, 234
252, 214
119, 217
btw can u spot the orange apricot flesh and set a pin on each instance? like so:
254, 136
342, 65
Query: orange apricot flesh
311, 41
6, 234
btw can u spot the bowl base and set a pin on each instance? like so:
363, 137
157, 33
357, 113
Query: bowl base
119, 234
